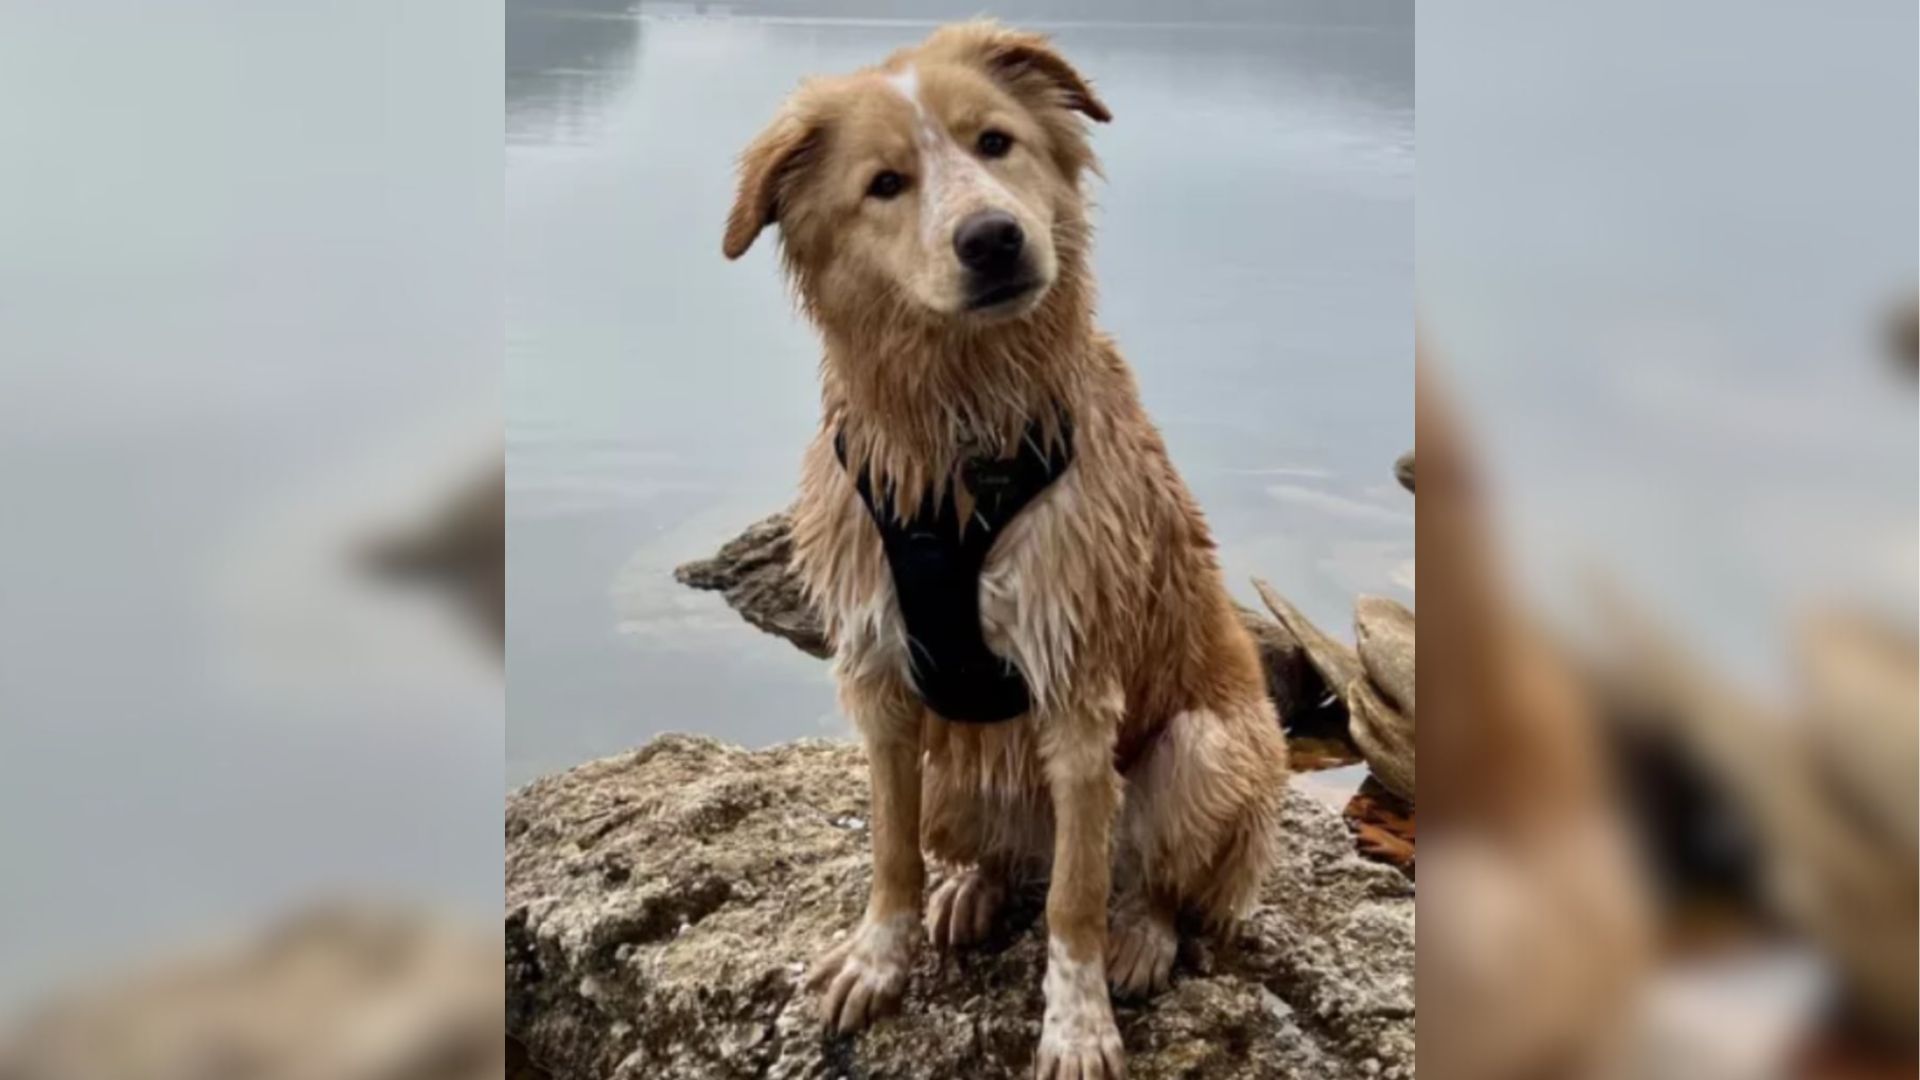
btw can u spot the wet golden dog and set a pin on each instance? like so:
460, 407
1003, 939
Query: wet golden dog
932, 220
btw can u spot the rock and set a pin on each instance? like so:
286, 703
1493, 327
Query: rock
753, 572
662, 906
349, 992
519, 1065
460, 550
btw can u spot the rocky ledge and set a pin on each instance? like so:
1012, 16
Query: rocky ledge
343, 992
662, 906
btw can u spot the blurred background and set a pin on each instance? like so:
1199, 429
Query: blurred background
1255, 258
1667, 268
249, 327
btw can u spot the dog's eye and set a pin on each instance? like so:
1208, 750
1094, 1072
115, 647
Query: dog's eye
887, 184
994, 143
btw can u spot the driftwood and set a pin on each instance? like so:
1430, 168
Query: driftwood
751, 571
1375, 680
1827, 782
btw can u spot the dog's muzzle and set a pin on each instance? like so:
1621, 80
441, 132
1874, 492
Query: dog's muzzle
993, 248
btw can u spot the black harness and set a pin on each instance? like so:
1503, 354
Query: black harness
936, 576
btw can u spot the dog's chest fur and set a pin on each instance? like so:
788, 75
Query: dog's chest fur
1036, 580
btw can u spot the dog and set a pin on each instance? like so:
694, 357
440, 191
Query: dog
1030, 628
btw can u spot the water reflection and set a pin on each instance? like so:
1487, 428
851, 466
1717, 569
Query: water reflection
563, 69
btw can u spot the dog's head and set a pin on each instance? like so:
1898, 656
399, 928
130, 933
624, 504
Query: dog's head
938, 186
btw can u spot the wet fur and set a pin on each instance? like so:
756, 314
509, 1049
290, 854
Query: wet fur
1105, 591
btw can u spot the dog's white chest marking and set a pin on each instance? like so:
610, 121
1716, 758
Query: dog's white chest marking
1026, 591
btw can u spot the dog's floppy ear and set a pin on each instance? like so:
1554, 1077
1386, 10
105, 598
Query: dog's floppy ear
1029, 62
767, 169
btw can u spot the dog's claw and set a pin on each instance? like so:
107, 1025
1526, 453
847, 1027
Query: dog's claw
1100, 1063
961, 911
864, 977
1140, 955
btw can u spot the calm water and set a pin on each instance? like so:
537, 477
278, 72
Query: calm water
1255, 257
249, 267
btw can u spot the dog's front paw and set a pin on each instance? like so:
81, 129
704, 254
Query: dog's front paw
1078, 1039
864, 977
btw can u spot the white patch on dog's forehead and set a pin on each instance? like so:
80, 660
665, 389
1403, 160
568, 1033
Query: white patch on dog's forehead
907, 83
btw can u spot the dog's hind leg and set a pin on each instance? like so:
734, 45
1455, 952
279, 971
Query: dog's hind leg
1142, 944
964, 905
985, 820
1198, 832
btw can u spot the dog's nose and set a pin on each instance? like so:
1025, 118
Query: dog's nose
989, 242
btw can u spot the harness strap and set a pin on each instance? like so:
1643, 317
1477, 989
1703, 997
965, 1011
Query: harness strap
936, 566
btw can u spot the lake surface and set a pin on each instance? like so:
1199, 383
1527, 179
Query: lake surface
1255, 258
